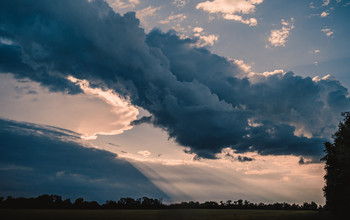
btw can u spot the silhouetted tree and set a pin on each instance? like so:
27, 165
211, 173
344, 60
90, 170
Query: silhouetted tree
110, 204
79, 203
337, 158
56, 202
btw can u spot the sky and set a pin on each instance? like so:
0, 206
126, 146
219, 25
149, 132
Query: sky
180, 99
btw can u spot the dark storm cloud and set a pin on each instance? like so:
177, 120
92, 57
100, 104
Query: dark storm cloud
11, 60
244, 158
191, 93
37, 159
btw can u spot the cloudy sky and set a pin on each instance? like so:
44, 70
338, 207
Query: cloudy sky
178, 99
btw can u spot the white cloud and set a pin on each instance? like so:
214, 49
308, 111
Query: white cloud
250, 21
204, 40
326, 2
260, 77
278, 37
244, 66
254, 77
328, 32
317, 51
208, 40
327, 77
232, 10
197, 29
174, 18
324, 14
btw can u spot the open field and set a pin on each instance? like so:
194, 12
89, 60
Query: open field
173, 214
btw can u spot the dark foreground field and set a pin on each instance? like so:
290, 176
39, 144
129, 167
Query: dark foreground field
173, 214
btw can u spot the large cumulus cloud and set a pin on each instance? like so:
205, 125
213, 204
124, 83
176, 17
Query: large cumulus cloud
196, 96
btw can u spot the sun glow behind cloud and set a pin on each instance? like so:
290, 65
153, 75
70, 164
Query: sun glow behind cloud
183, 177
95, 112
121, 107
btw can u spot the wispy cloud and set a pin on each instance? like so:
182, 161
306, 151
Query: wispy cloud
232, 10
144, 153
122, 4
173, 18
278, 37
149, 11
144, 13
311, 5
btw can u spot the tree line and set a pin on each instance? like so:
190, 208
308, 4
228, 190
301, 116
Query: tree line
337, 178
56, 202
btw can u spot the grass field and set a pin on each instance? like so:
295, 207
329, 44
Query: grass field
179, 214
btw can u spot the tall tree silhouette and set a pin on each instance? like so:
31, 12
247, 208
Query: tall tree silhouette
337, 158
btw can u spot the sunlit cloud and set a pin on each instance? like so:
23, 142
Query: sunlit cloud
278, 37
255, 77
207, 40
232, 10
324, 14
197, 29
203, 38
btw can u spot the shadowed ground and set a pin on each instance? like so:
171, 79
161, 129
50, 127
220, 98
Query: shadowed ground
176, 214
